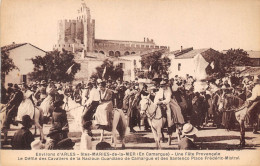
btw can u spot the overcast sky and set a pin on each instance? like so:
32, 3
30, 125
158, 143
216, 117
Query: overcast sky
219, 24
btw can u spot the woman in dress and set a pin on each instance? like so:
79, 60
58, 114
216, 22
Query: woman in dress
27, 106
103, 113
47, 104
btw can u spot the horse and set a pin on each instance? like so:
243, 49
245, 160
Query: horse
37, 118
119, 123
239, 108
155, 119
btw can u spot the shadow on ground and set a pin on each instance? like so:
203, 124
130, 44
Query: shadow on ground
220, 138
224, 146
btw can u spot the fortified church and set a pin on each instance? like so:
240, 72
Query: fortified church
79, 36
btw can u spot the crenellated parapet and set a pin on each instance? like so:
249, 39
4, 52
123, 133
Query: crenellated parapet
79, 34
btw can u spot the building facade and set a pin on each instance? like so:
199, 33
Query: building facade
22, 55
190, 61
90, 63
79, 34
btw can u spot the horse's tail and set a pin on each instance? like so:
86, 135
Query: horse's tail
122, 124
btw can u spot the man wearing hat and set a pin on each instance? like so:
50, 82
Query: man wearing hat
162, 98
41, 93
23, 137
12, 107
58, 141
90, 107
254, 104
189, 133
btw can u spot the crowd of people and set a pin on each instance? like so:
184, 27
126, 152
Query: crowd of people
182, 101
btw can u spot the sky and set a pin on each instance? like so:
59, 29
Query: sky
217, 24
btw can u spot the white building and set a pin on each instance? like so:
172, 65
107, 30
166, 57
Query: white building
190, 61
21, 55
90, 62
135, 63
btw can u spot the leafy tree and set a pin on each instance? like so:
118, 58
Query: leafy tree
235, 57
156, 62
225, 62
113, 72
54, 65
7, 64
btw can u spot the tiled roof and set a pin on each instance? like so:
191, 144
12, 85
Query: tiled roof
253, 54
191, 54
251, 71
13, 46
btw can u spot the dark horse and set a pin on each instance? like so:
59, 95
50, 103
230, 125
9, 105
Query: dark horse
235, 106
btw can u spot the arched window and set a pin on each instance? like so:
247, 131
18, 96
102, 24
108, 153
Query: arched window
117, 54
126, 53
96, 51
102, 52
132, 52
111, 53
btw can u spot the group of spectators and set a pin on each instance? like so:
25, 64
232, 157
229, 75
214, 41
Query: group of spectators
197, 100
20, 103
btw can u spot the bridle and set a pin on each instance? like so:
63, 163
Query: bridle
153, 115
233, 109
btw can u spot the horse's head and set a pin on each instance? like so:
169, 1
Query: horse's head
144, 103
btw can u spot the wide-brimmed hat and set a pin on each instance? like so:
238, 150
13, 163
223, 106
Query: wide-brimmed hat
43, 82
37, 144
163, 83
188, 129
66, 143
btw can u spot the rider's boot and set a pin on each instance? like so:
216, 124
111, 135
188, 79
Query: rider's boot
255, 128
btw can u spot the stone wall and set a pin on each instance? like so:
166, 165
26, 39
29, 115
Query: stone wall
121, 48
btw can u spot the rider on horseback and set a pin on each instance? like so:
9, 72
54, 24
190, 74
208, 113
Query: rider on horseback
90, 107
162, 98
254, 103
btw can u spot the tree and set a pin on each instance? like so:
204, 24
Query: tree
156, 62
233, 58
113, 72
225, 62
54, 66
7, 64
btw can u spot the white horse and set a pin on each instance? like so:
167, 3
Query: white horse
155, 119
119, 122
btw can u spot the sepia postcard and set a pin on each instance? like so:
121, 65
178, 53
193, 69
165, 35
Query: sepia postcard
130, 82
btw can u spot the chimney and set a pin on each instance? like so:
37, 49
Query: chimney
181, 48
144, 39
